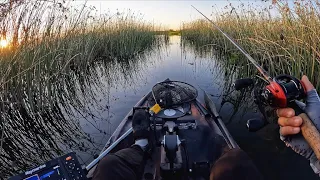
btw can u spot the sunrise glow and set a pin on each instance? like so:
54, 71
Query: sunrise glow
3, 43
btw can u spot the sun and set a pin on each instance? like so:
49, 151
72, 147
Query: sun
3, 43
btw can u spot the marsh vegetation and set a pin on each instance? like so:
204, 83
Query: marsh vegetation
284, 38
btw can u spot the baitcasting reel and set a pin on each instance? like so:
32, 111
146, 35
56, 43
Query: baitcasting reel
281, 92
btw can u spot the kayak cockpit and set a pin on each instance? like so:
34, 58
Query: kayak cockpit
186, 139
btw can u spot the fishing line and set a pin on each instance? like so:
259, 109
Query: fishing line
260, 69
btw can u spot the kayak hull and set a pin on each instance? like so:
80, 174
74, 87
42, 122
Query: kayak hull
205, 136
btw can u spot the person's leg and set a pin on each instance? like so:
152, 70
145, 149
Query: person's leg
125, 164
128, 163
234, 165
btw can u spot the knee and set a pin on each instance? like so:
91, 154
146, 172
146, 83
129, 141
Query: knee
235, 164
105, 168
109, 161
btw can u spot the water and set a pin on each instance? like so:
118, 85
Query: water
110, 89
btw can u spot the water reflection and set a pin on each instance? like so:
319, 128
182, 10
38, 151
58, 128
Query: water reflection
85, 106
225, 72
273, 159
53, 114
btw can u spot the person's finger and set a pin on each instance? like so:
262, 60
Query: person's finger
295, 121
307, 84
288, 130
285, 112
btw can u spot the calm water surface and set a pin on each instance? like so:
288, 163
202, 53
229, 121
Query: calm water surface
117, 86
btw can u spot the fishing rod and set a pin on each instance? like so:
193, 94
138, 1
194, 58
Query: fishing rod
282, 91
260, 69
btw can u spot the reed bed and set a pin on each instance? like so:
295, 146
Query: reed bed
283, 38
53, 39
60, 61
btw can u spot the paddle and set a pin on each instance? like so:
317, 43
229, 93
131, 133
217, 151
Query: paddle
212, 109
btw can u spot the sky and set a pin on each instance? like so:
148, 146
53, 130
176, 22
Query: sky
170, 14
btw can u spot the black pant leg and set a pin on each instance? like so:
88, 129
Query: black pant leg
125, 164
235, 165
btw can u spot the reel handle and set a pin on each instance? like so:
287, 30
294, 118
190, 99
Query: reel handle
308, 129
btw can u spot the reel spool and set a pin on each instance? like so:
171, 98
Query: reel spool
282, 91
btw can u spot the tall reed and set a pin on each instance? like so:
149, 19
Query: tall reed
50, 39
51, 75
282, 38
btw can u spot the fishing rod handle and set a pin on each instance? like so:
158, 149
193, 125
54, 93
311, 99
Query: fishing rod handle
308, 130
311, 134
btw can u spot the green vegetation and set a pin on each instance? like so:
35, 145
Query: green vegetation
51, 40
52, 75
288, 43
174, 33
170, 32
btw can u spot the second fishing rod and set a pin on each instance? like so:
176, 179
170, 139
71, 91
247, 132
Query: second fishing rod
282, 91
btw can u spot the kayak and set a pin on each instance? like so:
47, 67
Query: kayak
201, 134
186, 138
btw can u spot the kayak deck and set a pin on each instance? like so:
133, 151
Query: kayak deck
204, 137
